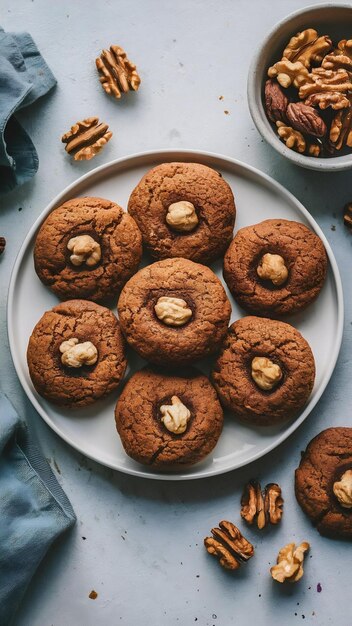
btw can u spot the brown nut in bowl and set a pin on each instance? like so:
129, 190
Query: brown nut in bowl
300, 88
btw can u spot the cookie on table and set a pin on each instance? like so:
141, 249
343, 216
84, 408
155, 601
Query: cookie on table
174, 312
76, 353
323, 482
265, 372
276, 267
87, 248
168, 421
184, 210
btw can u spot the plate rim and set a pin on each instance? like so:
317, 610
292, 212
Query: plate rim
167, 153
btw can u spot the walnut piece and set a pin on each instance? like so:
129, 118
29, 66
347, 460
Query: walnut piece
252, 504
343, 489
2, 244
307, 47
86, 138
292, 138
229, 545
276, 101
341, 58
347, 216
182, 216
272, 267
305, 119
84, 250
290, 563
273, 503
265, 373
172, 311
76, 354
118, 74
288, 73
321, 80
341, 128
266, 508
175, 416
326, 99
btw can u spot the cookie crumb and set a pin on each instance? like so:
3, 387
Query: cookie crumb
93, 595
227, 112
221, 97
319, 588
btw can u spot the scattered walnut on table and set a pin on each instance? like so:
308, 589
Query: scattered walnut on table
289, 565
118, 74
86, 138
228, 545
264, 507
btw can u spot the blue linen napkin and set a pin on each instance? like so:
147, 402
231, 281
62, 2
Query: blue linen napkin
24, 77
34, 510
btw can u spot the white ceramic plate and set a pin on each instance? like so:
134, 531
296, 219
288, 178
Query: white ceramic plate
92, 430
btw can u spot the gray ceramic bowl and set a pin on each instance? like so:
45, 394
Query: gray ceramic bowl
330, 19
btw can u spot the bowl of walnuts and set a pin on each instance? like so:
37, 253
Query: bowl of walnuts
300, 87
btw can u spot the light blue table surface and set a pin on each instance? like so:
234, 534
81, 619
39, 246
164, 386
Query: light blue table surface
138, 543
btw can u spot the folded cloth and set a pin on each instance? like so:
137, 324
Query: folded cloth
34, 510
24, 77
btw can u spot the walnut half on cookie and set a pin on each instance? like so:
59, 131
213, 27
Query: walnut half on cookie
168, 421
75, 371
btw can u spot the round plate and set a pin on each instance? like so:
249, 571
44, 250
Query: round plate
92, 430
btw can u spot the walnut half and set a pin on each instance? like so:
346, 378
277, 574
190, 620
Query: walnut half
118, 74
75, 353
228, 545
266, 507
289, 565
86, 138
172, 311
175, 416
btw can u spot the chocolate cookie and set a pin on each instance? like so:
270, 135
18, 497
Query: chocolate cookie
76, 353
174, 312
265, 372
276, 267
168, 421
87, 248
184, 210
323, 482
